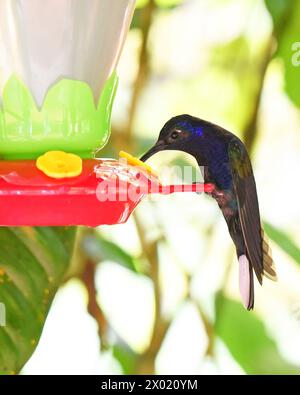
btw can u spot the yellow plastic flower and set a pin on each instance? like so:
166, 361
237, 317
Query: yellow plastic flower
131, 160
59, 164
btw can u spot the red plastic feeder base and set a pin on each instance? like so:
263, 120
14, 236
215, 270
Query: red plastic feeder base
106, 192
29, 197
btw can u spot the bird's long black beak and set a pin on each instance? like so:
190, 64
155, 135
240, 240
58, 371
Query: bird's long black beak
159, 146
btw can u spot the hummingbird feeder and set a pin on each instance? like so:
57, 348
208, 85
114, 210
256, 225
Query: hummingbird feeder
57, 86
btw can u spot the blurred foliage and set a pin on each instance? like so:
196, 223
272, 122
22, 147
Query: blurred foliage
126, 357
241, 66
286, 17
248, 341
33, 262
280, 11
99, 249
137, 20
159, 3
284, 241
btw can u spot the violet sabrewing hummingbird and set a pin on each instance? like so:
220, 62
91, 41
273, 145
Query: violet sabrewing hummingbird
227, 166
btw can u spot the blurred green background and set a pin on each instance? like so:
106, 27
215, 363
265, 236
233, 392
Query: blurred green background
159, 294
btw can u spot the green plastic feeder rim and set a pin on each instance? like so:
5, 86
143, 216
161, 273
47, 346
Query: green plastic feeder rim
68, 120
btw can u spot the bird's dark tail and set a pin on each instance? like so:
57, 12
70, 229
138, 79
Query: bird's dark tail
268, 263
251, 290
246, 272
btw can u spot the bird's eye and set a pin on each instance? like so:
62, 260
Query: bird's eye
174, 135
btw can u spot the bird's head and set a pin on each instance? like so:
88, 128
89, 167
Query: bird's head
181, 133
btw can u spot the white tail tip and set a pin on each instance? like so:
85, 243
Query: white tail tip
244, 280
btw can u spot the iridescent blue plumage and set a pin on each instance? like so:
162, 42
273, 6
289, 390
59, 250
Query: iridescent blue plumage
226, 165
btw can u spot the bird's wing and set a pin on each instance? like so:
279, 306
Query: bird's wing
245, 189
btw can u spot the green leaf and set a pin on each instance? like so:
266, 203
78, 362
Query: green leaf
279, 10
126, 357
248, 341
33, 262
283, 241
97, 248
286, 17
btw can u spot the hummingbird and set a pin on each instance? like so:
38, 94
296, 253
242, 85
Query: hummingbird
227, 166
